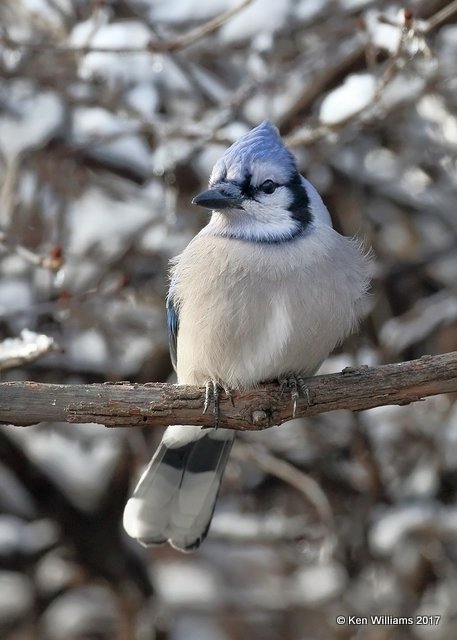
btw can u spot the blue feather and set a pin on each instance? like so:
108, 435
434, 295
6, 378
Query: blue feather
173, 326
260, 146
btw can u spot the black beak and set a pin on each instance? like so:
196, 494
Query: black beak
215, 199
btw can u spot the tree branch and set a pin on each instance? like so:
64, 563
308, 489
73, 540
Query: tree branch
155, 404
157, 46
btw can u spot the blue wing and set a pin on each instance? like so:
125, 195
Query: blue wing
173, 325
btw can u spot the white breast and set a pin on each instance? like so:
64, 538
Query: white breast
251, 312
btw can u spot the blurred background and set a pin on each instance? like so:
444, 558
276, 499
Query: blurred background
112, 114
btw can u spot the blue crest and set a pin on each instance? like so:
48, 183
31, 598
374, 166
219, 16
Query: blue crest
260, 152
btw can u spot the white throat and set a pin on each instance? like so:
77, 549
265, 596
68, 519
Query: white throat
243, 226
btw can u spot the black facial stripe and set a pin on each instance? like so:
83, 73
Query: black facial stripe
246, 188
299, 207
250, 191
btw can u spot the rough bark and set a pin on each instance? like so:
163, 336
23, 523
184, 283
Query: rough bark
126, 404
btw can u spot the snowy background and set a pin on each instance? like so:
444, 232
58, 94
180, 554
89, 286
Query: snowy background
112, 114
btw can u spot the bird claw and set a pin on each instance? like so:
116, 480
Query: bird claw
209, 394
212, 396
298, 389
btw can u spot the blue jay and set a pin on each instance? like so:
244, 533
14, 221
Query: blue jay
264, 292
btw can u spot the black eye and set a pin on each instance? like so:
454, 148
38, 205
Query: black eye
268, 186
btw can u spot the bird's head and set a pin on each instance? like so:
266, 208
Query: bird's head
256, 192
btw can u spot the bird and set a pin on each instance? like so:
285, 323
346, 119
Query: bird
264, 292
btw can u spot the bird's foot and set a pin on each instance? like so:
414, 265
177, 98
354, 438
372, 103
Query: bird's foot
298, 389
212, 397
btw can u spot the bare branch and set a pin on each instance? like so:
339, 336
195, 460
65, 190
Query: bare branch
8, 190
204, 29
312, 132
53, 261
156, 404
440, 17
290, 474
156, 46
329, 78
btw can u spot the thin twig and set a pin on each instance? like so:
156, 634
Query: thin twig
439, 17
8, 189
179, 42
291, 475
306, 135
204, 29
53, 261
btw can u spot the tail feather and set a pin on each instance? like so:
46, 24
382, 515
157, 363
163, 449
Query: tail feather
176, 495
